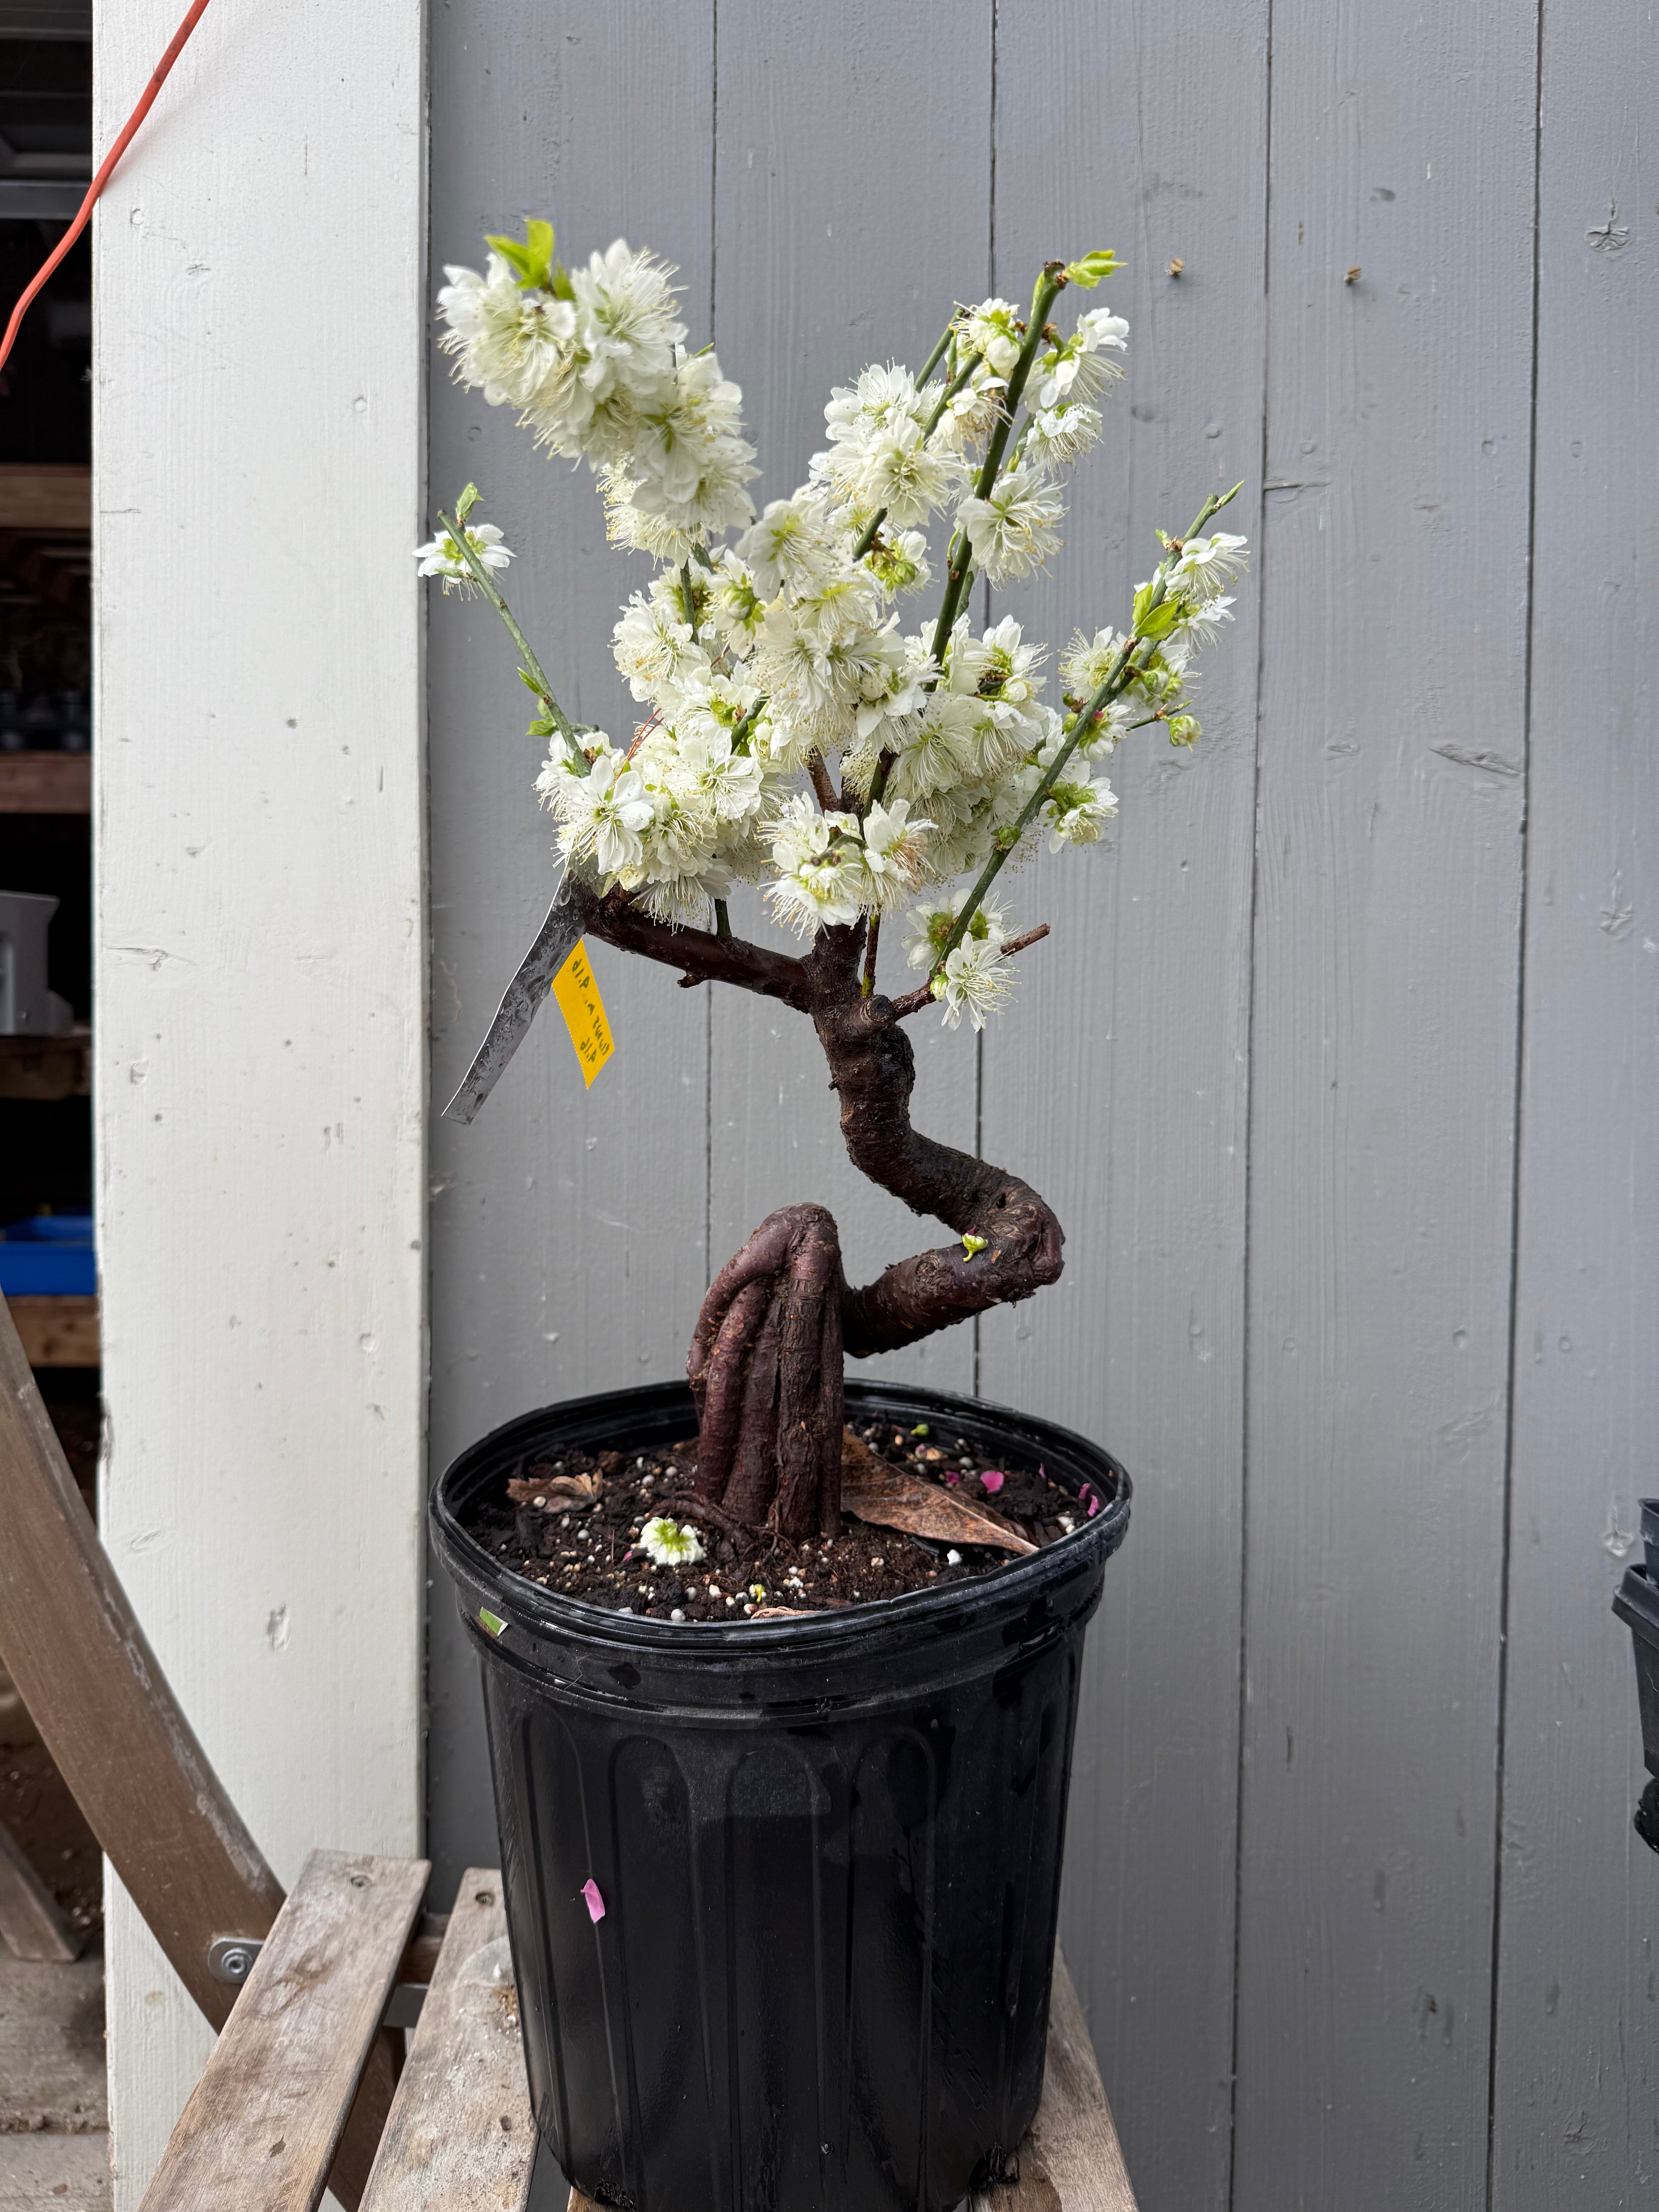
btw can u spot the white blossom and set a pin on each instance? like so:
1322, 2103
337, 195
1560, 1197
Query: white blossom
1208, 565
669, 1543
750, 661
899, 562
820, 867
602, 816
1012, 530
1077, 811
442, 555
976, 979
1061, 435
995, 330
507, 340
893, 850
791, 546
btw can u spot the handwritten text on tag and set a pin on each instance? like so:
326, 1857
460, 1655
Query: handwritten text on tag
583, 1009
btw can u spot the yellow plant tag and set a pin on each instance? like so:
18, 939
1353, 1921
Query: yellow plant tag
583, 1009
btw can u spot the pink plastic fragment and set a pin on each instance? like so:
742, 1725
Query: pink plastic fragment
992, 1480
1094, 1507
595, 1902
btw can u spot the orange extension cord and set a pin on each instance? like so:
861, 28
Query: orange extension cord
158, 78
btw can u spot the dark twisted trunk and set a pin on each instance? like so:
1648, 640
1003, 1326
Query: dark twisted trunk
765, 1361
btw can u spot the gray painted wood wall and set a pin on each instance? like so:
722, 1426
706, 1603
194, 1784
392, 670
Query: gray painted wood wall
1341, 1067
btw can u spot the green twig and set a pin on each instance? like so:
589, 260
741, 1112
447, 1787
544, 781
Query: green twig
532, 668
1116, 679
938, 354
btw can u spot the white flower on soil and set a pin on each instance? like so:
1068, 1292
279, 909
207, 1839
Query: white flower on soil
669, 1543
1012, 530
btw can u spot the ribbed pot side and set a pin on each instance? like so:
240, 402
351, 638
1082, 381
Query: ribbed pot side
827, 1849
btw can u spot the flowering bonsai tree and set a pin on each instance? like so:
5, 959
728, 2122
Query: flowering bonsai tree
796, 730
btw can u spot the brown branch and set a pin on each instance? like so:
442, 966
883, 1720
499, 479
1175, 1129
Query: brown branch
1018, 944
818, 770
705, 958
873, 1070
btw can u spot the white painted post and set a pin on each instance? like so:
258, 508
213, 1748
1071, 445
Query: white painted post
260, 1015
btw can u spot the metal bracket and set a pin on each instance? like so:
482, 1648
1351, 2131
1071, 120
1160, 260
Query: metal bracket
230, 1958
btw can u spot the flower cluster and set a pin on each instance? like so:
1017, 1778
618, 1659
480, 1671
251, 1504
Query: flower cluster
795, 729
595, 361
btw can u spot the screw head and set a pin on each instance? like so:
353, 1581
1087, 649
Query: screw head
236, 1963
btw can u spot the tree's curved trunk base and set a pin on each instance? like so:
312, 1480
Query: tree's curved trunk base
766, 1361
765, 1366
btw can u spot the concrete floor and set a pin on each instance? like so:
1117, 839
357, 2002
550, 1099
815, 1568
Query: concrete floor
54, 2111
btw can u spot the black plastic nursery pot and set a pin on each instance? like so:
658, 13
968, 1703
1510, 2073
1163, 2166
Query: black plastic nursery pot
783, 1895
1637, 1604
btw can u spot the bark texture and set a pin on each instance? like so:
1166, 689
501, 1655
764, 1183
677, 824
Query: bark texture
765, 1361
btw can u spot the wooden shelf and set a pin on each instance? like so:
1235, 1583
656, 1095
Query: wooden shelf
61, 1331
45, 498
47, 1067
45, 783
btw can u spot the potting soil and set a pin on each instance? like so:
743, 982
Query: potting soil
591, 1549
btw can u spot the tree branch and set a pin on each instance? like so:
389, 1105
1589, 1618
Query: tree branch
704, 958
873, 1070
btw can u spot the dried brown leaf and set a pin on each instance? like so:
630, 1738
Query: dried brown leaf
874, 1489
557, 1492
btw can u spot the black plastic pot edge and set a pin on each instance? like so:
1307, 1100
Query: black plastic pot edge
665, 1410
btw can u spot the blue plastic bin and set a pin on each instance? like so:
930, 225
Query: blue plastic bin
50, 1256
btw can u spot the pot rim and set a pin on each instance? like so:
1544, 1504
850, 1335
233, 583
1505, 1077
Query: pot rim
531, 1605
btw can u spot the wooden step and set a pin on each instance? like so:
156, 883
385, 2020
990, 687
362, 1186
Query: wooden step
273, 2100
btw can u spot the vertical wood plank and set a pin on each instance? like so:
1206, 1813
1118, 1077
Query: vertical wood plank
846, 224
460, 2137
1576, 2092
258, 826
1382, 1096
567, 1227
1118, 1080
